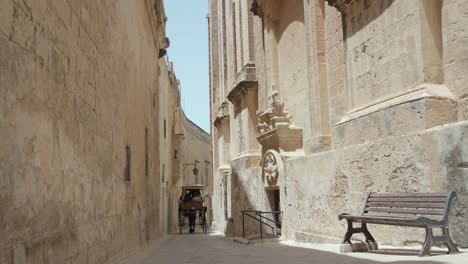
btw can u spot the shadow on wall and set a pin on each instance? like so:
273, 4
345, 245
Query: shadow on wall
291, 13
368, 12
240, 200
247, 193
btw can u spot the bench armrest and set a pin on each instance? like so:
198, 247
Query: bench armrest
425, 221
340, 216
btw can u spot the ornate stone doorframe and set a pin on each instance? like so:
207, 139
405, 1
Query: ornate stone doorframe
272, 169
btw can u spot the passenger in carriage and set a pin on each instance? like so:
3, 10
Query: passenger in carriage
196, 196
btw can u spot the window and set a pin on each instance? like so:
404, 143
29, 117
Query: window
164, 128
146, 153
128, 154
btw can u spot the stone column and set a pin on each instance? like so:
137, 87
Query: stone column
317, 136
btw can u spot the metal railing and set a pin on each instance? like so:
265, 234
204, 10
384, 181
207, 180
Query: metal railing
259, 217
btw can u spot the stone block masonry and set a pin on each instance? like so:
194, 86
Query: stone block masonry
378, 91
77, 80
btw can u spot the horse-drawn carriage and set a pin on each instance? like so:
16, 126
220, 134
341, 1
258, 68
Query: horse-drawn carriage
192, 207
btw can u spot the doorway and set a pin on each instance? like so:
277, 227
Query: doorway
273, 195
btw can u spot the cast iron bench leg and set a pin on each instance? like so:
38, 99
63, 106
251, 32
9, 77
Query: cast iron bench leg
367, 234
427, 243
351, 230
450, 245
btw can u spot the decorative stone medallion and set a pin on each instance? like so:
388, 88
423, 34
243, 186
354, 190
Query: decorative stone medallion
272, 167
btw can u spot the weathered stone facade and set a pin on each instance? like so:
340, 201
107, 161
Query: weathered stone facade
183, 146
354, 95
88, 128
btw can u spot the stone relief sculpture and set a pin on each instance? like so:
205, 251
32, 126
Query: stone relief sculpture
273, 116
272, 166
256, 8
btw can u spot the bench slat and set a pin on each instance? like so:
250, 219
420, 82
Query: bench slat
408, 195
405, 211
378, 219
409, 199
409, 220
406, 205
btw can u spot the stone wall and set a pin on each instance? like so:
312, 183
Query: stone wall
379, 91
79, 83
169, 101
335, 63
194, 148
334, 182
292, 64
396, 135
455, 56
181, 143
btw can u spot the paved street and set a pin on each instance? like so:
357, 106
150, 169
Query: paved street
211, 249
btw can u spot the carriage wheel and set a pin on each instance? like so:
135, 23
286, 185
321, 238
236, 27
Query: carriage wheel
204, 221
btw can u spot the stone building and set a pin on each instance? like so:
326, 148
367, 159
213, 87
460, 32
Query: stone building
184, 148
87, 130
314, 103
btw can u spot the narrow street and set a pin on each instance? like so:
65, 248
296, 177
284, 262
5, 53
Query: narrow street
301, 122
215, 249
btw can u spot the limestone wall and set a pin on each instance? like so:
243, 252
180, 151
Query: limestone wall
334, 182
399, 135
455, 54
194, 146
292, 64
379, 90
79, 83
373, 34
335, 63
389, 136
169, 101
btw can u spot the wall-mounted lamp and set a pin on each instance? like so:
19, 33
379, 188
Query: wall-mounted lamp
194, 164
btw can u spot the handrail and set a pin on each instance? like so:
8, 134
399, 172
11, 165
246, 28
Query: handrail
260, 214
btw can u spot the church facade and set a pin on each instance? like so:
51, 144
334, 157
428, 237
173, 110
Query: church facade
314, 103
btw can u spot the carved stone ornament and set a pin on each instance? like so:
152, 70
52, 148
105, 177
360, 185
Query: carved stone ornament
273, 116
340, 4
256, 8
272, 167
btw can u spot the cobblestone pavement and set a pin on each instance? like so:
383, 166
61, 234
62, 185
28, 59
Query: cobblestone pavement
211, 249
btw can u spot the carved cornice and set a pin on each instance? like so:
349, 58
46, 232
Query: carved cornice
340, 4
248, 73
223, 112
283, 138
245, 80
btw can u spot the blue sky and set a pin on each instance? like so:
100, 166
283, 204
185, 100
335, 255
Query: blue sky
187, 30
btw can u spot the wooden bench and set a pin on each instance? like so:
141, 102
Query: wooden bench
425, 210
